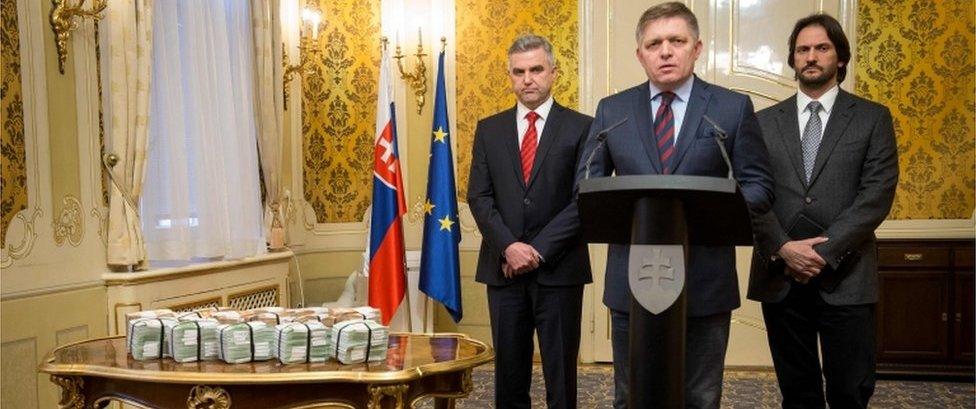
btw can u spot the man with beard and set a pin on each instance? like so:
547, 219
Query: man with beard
814, 265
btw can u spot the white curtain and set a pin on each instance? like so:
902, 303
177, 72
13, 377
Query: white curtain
126, 62
202, 195
269, 104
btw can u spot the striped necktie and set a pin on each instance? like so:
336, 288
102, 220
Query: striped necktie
664, 130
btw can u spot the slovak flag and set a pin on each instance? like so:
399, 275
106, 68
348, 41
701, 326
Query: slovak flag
387, 262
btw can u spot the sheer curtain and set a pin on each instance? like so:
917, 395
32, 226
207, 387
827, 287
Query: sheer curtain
202, 194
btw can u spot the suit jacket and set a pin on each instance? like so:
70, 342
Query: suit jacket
541, 213
630, 149
850, 193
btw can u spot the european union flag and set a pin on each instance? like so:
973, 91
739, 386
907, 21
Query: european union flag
440, 276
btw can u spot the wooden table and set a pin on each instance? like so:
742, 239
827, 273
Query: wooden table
92, 373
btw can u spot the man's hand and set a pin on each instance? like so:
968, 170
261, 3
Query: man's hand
802, 261
521, 257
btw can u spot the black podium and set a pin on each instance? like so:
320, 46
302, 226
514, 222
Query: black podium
662, 210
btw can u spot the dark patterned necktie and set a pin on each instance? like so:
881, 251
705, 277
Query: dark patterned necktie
529, 144
812, 134
664, 130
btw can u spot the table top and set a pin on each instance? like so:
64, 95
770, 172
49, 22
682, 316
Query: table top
410, 356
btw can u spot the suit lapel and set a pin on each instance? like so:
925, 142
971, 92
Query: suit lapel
512, 145
789, 135
697, 104
549, 134
642, 112
839, 119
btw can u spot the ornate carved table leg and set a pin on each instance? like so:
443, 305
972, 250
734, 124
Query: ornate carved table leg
208, 397
377, 392
72, 396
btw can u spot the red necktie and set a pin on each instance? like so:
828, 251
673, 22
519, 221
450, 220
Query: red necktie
664, 130
529, 144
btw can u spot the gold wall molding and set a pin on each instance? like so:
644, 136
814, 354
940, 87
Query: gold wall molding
338, 112
916, 57
69, 226
483, 87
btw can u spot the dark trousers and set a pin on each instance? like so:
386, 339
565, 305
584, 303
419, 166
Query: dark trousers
846, 339
706, 341
554, 312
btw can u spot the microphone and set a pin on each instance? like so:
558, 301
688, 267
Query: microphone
720, 135
601, 138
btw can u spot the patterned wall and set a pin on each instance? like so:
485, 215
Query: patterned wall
916, 57
484, 32
339, 111
13, 165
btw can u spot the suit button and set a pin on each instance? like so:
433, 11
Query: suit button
526, 201
808, 199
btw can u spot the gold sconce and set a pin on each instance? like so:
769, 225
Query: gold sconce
417, 79
308, 47
64, 21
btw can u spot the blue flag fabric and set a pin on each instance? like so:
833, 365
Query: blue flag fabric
440, 276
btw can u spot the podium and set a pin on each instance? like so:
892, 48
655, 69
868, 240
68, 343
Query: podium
661, 213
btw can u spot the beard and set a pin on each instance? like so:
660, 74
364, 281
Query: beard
816, 80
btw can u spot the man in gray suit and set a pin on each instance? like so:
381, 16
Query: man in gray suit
814, 267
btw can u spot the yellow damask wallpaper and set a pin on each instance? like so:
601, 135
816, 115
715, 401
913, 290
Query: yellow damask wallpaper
13, 169
484, 32
916, 57
339, 111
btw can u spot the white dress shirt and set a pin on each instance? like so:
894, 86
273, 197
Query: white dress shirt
523, 124
826, 101
678, 106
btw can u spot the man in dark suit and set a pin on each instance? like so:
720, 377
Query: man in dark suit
532, 259
665, 134
814, 266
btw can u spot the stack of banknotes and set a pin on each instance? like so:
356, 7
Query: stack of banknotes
246, 342
194, 339
303, 342
147, 338
360, 341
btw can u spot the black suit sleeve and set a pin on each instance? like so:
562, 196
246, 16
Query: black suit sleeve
481, 196
879, 177
564, 229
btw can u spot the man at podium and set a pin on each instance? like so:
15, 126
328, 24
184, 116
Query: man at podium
668, 127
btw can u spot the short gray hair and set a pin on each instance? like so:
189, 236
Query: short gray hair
667, 10
529, 42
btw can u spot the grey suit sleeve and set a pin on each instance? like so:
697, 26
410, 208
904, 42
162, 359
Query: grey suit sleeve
770, 236
481, 197
879, 177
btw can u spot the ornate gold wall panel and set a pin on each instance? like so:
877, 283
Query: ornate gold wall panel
13, 169
916, 57
339, 111
484, 32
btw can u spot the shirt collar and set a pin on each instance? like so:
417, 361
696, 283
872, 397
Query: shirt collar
542, 110
683, 91
826, 100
